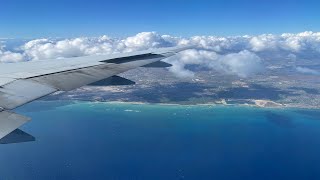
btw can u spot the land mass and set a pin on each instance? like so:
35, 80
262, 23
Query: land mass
275, 87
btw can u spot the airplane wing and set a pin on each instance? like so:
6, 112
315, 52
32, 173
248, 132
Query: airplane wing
21, 83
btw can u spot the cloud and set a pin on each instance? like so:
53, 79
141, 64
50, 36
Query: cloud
49, 49
8, 56
178, 68
243, 63
146, 40
307, 71
238, 55
265, 42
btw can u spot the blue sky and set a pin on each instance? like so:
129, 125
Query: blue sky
67, 18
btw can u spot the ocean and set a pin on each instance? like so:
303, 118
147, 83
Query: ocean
92, 140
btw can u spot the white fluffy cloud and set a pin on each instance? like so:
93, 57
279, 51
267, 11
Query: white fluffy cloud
296, 43
239, 55
243, 63
8, 56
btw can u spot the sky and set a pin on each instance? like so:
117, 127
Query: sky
237, 37
122, 18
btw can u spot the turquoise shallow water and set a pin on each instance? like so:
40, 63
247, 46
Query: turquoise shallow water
79, 140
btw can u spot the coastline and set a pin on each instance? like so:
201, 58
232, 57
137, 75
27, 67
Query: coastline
261, 104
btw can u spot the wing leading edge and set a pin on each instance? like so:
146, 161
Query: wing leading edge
21, 84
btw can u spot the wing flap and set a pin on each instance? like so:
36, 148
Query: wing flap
10, 121
67, 81
20, 92
70, 80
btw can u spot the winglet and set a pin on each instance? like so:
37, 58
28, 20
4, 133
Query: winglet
10, 121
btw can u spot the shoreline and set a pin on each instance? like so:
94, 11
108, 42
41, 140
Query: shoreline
212, 104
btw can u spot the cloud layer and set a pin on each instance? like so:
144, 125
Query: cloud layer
305, 70
237, 55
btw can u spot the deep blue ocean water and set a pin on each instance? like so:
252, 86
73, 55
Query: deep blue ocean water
82, 140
